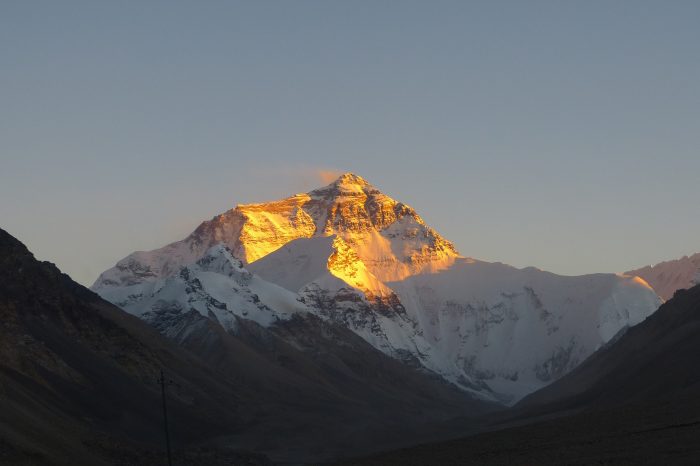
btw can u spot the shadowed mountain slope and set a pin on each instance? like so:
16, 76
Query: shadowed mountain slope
78, 375
78, 383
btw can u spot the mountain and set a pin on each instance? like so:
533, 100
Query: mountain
352, 256
517, 330
668, 277
652, 361
636, 401
78, 377
233, 294
388, 236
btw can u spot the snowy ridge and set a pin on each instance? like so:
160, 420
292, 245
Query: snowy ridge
516, 330
216, 286
350, 254
668, 277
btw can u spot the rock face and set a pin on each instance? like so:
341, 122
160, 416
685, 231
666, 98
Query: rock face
353, 256
668, 277
77, 374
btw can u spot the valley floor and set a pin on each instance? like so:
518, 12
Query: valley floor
665, 433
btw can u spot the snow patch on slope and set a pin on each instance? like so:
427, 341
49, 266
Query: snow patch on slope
216, 286
297, 263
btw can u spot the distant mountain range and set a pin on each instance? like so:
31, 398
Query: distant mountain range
350, 255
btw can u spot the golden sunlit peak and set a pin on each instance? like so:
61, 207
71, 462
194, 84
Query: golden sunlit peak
349, 182
350, 179
345, 183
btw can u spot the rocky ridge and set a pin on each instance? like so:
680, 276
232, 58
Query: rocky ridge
670, 276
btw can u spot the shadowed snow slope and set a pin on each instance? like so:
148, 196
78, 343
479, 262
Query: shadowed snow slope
518, 329
652, 361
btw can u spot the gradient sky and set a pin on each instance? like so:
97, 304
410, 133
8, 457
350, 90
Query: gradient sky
559, 134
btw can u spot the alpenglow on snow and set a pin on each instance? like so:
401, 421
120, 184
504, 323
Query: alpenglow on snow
350, 254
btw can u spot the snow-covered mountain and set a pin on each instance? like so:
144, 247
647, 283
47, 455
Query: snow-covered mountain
668, 277
388, 236
517, 330
216, 286
352, 255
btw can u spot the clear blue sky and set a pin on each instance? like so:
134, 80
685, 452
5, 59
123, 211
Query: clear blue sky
560, 134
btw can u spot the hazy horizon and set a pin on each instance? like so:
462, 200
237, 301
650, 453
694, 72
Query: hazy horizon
561, 136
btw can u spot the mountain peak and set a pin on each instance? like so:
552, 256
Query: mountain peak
347, 183
350, 179
387, 235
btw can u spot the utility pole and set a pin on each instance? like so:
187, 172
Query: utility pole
162, 383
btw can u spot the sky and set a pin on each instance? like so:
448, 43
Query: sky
559, 134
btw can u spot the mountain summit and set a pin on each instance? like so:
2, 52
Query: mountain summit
354, 256
388, 236
347, 182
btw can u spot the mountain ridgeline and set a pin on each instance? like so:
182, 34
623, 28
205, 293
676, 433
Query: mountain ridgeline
670, 276
350, 256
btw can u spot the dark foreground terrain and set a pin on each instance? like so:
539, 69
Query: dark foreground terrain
78, 384
668, 433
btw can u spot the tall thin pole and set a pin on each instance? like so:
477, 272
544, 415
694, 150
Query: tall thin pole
165, 418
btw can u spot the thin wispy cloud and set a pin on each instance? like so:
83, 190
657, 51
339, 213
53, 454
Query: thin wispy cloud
327, 176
